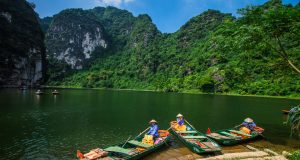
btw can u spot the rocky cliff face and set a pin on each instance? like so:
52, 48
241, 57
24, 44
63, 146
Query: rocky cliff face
76, 37
22, 51
73, 36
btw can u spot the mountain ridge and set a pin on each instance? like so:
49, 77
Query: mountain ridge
204, 55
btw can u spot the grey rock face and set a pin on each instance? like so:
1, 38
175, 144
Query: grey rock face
22, 51
73, 36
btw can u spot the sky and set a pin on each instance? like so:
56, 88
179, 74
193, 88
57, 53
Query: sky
168, 15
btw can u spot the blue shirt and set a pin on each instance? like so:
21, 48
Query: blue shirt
249, 125
153, 130
180, 121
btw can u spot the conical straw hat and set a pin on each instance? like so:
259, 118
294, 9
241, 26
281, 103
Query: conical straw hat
179, 115
248, 120
153, 121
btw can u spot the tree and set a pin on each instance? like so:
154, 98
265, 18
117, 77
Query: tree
273, 24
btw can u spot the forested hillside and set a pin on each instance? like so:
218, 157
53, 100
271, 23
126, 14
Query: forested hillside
257, 53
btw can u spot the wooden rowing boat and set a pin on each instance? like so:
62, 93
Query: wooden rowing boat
134, 149
55, 93
285, 111
234, 136
39, 92
195, 140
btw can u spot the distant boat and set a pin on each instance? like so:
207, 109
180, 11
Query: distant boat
285, 111
55, 92
39, 92
23, 88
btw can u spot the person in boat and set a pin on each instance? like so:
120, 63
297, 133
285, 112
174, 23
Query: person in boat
179, 119
152, 134
180, 123
249, 123
153, 129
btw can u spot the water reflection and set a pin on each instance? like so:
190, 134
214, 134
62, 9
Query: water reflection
47, 126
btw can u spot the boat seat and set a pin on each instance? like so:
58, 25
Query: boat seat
231, 135
186, 131
217, 136
118, 149
194, 137
241, 133
139, 144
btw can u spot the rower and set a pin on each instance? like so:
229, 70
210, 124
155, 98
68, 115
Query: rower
249, 123
153, 129
248, 126
179, 119
180, 123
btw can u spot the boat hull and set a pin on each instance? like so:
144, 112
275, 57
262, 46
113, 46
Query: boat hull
193, 146
230, 142
139, 155
150, 150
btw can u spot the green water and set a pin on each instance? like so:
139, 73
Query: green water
54, 127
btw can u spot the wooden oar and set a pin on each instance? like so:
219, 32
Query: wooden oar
237, 126
126, 141
169, 128
143, 132
189, 123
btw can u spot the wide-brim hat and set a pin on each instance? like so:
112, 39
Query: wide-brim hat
179, 115
248, 120
153, 121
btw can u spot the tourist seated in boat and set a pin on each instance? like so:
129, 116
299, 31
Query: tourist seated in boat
152, 133
248, 126
153, 129
180, 123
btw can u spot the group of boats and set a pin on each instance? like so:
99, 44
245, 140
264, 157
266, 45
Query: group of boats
39, 92
197, 142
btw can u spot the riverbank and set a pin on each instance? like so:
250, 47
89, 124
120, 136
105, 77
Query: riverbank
180, 92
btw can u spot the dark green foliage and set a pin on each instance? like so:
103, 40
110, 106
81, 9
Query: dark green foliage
212, 53
295, 155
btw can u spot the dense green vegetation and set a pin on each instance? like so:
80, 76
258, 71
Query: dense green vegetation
295, 155
258, 54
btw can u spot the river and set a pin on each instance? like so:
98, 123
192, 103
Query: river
54, 127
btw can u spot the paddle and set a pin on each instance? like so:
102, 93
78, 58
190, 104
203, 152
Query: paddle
195, 129
126, 141
257, 132
189, 123
237, 126
169, 128
143, 132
